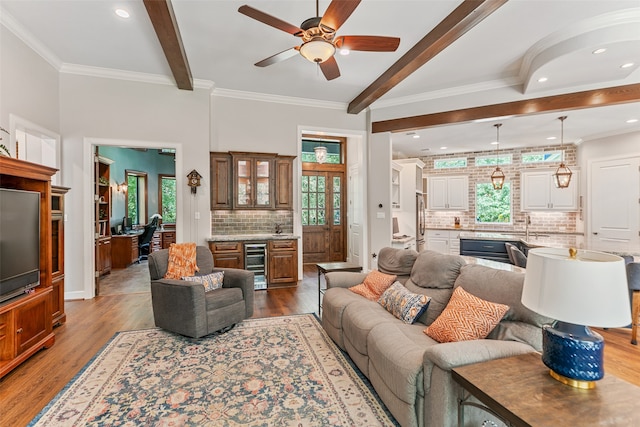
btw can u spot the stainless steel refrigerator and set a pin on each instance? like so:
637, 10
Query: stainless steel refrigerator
420, 222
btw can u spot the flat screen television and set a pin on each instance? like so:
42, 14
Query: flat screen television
19, 242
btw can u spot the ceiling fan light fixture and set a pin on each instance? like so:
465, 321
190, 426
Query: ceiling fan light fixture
317, 50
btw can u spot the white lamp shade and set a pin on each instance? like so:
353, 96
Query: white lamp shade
589, 290
317, 50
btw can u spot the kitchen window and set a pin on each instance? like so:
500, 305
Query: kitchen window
493, 206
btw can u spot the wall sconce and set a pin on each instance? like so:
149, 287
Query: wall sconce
321, 154
122, 187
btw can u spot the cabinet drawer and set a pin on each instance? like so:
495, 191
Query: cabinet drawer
483, 246
218, 247
282, 245
438, 233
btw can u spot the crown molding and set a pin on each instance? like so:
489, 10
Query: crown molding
279, 99
29, 39
110, 73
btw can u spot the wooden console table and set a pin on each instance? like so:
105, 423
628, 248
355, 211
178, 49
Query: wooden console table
520, 391
327, 267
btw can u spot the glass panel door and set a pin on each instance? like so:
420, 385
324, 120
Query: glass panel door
243, 183
263, 195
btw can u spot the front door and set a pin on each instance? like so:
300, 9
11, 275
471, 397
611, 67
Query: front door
323, 216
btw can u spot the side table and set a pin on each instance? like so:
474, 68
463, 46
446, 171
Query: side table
520, 391
328, 267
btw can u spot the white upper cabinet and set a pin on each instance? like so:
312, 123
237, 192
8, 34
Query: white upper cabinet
448, 193
539, 193
395, 185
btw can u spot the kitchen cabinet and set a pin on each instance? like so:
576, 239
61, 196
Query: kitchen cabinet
448, 193
252, 181
284, 182
220, 178
443, 241
227, 254
282, 258
539, 193
494, 250
395, 185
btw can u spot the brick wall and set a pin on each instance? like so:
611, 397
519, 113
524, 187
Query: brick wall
540, 221
250, 222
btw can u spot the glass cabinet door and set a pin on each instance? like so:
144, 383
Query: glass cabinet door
243, 183
263, 182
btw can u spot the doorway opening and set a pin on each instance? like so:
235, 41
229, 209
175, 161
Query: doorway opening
323, 196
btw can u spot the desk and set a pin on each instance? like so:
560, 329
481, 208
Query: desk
327, 267
124, 250
520, 391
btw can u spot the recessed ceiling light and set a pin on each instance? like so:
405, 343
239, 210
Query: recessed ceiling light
494, 143
344, 52
416, 136
443, 148
425, 149
542, 79
122, 13
627, 65
600, 50
632, 121
551, 138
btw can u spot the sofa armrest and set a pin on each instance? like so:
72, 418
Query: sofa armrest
344, 279
179, 306
243, 279
453, 354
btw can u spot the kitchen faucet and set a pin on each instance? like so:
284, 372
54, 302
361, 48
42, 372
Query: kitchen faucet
278, 229
527, 223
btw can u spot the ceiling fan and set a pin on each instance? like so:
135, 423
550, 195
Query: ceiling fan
318, 34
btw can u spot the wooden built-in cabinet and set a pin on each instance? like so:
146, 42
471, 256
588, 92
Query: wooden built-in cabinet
282, 258
102, 185
124, 250
57, 254
241, 180
227, 254
26, 321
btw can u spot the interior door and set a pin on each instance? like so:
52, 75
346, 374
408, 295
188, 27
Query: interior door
355, 215
323, 216
614, 201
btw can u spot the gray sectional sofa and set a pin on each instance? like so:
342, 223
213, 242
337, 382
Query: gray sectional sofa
410, 371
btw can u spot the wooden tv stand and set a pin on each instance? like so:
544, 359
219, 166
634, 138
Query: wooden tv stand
26, 321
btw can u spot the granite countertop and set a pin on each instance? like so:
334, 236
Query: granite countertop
493, 264
251, 237
402, 239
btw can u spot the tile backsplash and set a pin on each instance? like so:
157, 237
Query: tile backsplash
250, 222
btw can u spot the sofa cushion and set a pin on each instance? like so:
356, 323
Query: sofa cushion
439, 300
504, 287
435, 270
210, 281
403, 304
466, 317
358, 320
334, 301
182, 260
397, 261
374, 285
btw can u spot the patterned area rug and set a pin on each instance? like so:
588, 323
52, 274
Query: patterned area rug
280, 371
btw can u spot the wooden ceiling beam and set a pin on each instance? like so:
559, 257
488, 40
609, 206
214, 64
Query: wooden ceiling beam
466, 16
548, 104
166, 27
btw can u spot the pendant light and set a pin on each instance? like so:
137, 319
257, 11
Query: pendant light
562, 177
321, 154
497, 177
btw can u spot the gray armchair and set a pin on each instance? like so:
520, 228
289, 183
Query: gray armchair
185, 308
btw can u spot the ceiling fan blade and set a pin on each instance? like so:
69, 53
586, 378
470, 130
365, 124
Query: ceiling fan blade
285, 54
338, 12
368, 43
330, 68
269, 20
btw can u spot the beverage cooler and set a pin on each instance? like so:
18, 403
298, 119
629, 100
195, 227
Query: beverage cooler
255, 259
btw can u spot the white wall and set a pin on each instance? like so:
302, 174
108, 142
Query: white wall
379, 187
116, 112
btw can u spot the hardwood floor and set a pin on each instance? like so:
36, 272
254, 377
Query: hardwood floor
92, 323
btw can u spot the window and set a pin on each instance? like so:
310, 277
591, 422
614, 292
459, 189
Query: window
547, 156
136, 206
334, 150
502, 159
458, 162
167, 198
493, 206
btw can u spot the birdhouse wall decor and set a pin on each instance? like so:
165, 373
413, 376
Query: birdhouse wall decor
194, 180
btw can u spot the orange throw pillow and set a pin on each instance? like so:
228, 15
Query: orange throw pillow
182, 260
374, 285
466, 317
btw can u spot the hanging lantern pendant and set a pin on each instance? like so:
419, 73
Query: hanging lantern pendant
497, 177
562, 177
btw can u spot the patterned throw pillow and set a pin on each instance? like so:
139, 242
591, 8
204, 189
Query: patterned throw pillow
211, 282
404, 304
182, 260
466, 317
374, 285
